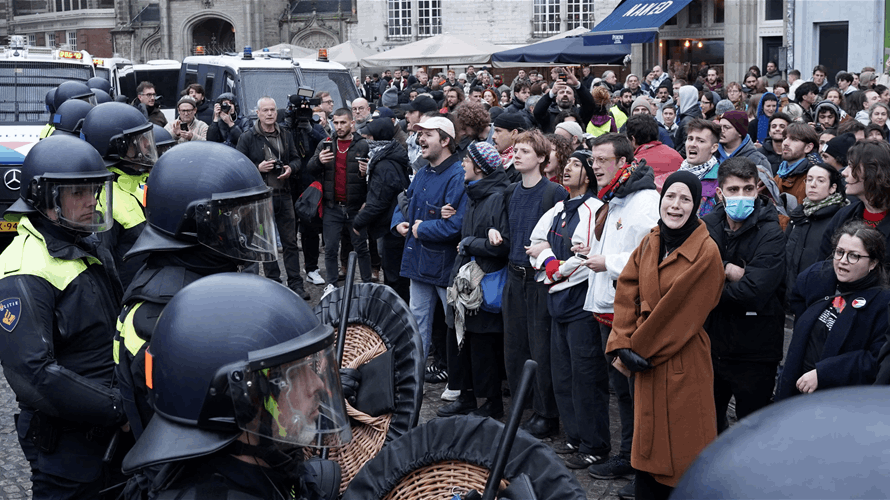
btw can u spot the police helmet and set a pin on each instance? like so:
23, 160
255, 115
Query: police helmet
101, 96
63, 179
73, 90
228, 96
70, 115
206, 193
97, 82
163, 139
235, 353
829, 444
49, 101
120, 133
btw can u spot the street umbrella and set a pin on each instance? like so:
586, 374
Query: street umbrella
440, 50
569, 50
349, 53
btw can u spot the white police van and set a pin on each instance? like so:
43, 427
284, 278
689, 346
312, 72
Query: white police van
250, 76
164, 74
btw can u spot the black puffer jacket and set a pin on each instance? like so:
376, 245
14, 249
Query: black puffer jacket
387, 177
852, 211
356, 187
748, 323
486, 209
804, 239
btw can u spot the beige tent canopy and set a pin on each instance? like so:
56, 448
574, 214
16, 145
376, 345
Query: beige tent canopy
440, 50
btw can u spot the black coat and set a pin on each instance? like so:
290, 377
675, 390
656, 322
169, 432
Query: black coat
486, 209
356, 187
852, 211
804, 239
205, 111
850, 354
220, 131
774, 157
748, 323
546, 109
251, 144
387, 177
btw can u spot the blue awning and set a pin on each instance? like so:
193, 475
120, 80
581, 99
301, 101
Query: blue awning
570, 50
634, 21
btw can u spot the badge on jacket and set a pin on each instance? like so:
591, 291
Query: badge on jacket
858, 302
618, 224
10, 310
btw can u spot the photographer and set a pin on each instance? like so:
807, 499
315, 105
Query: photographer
272, 150
224, 128
187, 127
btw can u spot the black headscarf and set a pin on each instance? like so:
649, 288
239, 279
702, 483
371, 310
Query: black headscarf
671, 239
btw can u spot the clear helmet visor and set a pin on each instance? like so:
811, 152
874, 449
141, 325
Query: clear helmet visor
139, 148
90, 98
298, 403
84, 207
241, 228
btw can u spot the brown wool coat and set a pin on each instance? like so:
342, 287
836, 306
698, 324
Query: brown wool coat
659, 313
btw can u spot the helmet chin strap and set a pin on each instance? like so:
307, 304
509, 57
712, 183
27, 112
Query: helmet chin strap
269, 452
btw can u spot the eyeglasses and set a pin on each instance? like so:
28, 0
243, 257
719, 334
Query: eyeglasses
192, 110
852, 257
329, 101
148, 95
601, 160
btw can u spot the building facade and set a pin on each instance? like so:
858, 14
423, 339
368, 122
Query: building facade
78, 24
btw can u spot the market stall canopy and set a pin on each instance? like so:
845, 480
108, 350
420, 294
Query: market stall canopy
561, 51
349, 53
580, 30
296, 51
634, 21
440, 50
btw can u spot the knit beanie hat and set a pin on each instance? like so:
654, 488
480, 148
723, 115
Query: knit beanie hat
510, 121
573, 128
738, 120
390, 97
485, 156
586, 159
839, 146
641, 101
723, 106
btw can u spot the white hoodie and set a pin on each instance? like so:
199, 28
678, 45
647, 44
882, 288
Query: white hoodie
583, 235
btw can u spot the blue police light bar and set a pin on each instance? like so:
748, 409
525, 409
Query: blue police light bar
635, 21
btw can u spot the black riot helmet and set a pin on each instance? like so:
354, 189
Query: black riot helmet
68, 118
62, 179
97, 82
163, 139
235, 353
121, 134
206, 193
101, 96
73, 90
50, 101
829, 444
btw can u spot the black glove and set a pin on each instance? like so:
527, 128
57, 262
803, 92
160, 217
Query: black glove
350, 379
633, 361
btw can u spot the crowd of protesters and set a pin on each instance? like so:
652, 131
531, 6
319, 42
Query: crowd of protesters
646, 237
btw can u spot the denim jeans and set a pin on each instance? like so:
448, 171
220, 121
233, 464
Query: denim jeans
581, 384
337, 220
527, 336
621, 385
423, 296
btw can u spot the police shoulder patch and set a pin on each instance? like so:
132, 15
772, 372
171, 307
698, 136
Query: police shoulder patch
10, 310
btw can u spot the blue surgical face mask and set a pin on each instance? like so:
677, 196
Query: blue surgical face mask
738, 208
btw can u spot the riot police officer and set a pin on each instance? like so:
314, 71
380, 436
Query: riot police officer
243, 376
124, 138
67, 119
58, 304
183, 241
163, 139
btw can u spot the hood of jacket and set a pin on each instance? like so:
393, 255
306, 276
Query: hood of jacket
688, 100
827, 105
642, 178
388, 150
488, 185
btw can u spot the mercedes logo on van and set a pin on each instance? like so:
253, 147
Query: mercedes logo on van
12, 179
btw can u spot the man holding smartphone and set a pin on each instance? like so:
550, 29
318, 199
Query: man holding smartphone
187, 127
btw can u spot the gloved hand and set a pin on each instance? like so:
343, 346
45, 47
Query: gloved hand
552, 269
633, 361
350, 380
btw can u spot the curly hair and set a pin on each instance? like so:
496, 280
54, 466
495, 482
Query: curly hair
870, 163
471, 115
562, 147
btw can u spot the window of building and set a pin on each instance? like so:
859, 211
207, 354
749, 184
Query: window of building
72, 39
719, 11
580, 13
429, 18
50, 39
546, 18
32, 39
399, 18
695, 12
774, 10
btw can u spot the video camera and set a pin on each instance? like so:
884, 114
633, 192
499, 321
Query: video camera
299, 108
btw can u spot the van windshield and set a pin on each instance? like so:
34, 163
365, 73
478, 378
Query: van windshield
166, 84
275, 83
24, 84
338, 83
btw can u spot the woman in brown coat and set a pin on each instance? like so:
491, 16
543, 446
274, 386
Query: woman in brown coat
671, 283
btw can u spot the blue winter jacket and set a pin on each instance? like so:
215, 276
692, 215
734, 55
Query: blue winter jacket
430, 257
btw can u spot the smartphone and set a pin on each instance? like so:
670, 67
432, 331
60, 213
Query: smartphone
562, 77
329, 145
359, 158
184, 127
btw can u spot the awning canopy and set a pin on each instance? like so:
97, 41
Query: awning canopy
440, 50
634, 21
569, 50
349, 53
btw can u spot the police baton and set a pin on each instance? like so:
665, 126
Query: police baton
112, 446
509, 434
345, 304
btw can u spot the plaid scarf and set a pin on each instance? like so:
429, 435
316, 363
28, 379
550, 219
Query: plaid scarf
811, 207
699, 170
609, 192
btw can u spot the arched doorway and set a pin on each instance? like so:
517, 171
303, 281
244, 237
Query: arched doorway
215, 35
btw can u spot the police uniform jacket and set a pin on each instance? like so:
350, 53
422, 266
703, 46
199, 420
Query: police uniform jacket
660, 310
129, 219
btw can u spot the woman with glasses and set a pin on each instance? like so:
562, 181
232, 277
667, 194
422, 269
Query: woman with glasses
840, 310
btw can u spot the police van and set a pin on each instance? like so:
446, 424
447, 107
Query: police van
251, 76
119, 73
164, 74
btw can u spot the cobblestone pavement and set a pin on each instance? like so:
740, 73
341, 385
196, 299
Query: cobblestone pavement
15, 472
